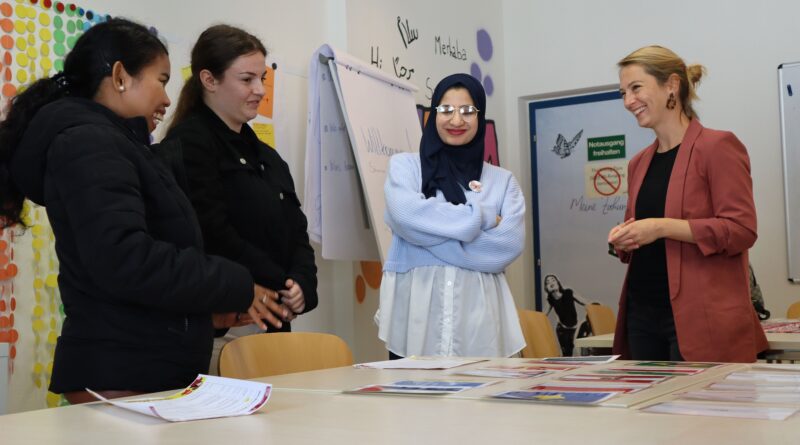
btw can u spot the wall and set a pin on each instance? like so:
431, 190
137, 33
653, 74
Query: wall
556, 46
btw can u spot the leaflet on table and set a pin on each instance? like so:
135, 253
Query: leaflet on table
557, 397
589, 387
579, 360
426, 387
722, 410
646, 371
749, 396
781, 326
620, 378
678, 365
207, 397
420, 363
510, 372
763, 376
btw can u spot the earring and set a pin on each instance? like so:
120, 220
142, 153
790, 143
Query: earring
122, 88
671, 102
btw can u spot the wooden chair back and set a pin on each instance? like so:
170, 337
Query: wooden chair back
601, 318
794, 310
539, 336
276, 353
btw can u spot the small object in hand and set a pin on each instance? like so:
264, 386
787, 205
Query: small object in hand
475, 186
264, 299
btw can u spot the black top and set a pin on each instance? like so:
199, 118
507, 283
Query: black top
137, 289
246, 202
565, 308
648, 282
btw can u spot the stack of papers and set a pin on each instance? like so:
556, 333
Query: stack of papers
580, 360
510, 372
557, 397
207, 397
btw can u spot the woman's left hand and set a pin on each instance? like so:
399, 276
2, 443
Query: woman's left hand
292, 297
634, 234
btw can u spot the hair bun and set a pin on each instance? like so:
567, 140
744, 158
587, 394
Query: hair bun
695, 72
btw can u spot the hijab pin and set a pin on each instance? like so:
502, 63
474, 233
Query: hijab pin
475, 186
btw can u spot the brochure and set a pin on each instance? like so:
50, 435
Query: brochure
420, 363
425, 387
722, 410
558, 397
207, 397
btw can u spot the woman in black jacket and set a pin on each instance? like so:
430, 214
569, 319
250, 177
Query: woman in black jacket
240, 187
137, 289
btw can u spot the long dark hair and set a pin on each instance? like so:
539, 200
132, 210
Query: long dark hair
215, 50
560, 287
89, 62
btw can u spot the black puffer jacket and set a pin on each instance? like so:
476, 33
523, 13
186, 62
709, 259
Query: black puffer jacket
245, 200
137, 288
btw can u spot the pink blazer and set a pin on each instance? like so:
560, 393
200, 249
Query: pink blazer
710, 186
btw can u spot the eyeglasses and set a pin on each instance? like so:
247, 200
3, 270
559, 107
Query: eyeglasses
466, 111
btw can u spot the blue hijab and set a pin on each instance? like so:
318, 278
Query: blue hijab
450, 168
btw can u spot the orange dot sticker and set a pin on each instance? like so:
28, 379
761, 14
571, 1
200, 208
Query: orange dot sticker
6, 25
6, 9
7, 42
11, 271
2, 305
9, 90
372, 273
361, 289
5, 322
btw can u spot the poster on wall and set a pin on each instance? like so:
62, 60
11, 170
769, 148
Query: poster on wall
580, 148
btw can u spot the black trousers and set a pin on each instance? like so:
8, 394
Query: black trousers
566, 339
651, 331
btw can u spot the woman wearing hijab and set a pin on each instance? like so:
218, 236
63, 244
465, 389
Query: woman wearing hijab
456, 224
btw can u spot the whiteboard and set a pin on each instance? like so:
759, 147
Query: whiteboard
346, 228
789, 83
382, 120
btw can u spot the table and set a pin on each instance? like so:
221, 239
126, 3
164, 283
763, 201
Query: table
779, 343
307, 408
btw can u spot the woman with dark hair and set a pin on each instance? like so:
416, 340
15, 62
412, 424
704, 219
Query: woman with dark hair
456, 222
242, 190
563, 302
137, 289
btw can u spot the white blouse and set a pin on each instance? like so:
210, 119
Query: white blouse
467, 313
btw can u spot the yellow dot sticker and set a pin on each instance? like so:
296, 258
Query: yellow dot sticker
32, 52
21, 43
44, 49
38, 283
22, 59
45, 34
52, 280
38, 311
22, 76
46, 63
31, 26
19, 26
37, 243
44, 19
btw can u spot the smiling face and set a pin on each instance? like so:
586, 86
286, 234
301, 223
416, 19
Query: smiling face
551, 284
455, 129
644, 97
147, 95
235, 97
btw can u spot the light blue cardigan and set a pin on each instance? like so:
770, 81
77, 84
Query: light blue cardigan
434, 232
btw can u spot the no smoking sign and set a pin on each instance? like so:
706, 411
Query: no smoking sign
606, 179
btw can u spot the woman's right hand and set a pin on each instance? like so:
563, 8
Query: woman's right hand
266, 307
614, 237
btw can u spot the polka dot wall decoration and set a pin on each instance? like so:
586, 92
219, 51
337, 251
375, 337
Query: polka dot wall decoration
35, 36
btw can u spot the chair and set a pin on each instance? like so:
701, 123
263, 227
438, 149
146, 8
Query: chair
276, 353
539, 336
794, 310
601, 318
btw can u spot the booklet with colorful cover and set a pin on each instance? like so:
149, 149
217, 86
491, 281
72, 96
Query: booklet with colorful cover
557, 397
420, 363
579, 360
424, 387
508, 372
207, 397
